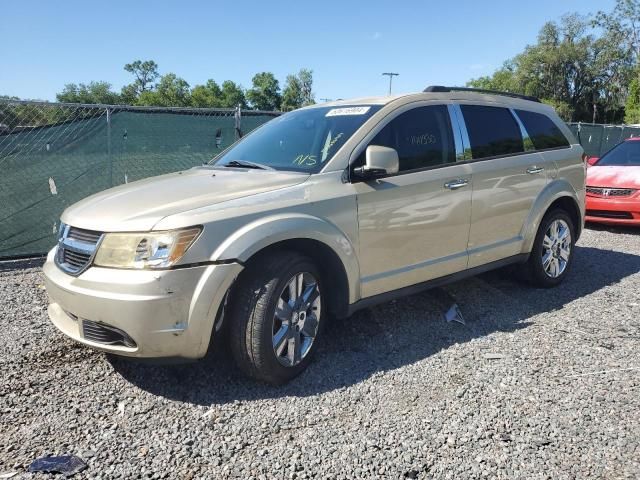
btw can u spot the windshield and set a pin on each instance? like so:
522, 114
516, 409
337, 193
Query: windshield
625, 154
302, 140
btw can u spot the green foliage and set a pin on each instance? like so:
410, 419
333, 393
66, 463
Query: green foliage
632, 108
503, 80
93, 92
292, 94
580, 65
265, 93
171, 91
145, 72
298, 90
129, 94
208, 95
563, 109
232, 95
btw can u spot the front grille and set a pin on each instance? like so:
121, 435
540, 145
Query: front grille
87, 236
76, 248
609, 214
610, 192
107, 335
75, 259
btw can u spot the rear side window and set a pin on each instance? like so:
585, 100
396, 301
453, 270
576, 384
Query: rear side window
422, 137
543, 132
492, 131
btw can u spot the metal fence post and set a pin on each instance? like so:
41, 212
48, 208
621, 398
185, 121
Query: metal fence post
238, 123
109, 159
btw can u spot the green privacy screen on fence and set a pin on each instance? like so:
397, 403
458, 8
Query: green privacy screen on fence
598, 139
53, 155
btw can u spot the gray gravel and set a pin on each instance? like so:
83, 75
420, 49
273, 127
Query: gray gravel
537, 384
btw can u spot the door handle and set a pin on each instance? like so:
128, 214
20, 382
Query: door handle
533, 170
456, 184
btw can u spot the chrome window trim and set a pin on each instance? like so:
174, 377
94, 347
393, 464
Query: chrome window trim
462, 126
457, 134
526, 139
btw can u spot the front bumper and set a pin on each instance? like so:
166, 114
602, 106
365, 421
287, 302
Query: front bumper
164, 313
613, 211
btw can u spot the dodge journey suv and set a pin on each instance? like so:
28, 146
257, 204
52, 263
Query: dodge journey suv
316, 214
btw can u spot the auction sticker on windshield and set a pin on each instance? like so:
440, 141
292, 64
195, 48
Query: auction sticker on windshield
335, 112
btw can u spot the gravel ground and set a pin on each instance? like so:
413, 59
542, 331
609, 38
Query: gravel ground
537, 384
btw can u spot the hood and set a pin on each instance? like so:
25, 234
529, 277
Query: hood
614, 176
138, 206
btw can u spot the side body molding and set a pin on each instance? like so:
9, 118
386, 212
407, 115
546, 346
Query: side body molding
553, 191
261, 233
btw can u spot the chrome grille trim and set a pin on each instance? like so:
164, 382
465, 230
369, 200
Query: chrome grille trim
86, 236
610, 192
76, 249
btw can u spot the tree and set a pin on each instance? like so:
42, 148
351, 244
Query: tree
292, 94
298, 90
145, 72
265, 93
632, 107
503, 79
171, 91
624, 23
129, 94
622, 27
232, 95
583, 75
93, 92
208, 95
306, 83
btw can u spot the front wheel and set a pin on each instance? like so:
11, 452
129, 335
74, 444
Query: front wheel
277, 315
552, 253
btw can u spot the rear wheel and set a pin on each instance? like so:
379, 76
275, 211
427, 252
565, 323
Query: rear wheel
277, 316
552, 253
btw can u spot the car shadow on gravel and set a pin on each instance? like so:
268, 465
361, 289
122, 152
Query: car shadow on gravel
391, 335
621, 229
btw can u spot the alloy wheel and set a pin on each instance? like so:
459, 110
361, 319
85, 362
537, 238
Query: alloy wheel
556, 248
296, 319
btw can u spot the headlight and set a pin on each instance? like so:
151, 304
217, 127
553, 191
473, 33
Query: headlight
145, 250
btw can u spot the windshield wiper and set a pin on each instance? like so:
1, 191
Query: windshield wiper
247, 164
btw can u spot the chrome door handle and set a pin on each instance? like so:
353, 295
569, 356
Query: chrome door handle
456, 184
533, 170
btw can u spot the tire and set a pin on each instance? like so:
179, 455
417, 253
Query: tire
265, 345
550, 259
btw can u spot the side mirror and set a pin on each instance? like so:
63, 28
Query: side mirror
592, 160
379, 161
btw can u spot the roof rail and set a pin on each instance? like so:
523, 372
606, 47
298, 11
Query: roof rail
441, 89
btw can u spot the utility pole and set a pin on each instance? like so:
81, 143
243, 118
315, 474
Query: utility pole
390, 75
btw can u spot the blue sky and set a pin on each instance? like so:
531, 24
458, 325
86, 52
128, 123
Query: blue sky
347, 44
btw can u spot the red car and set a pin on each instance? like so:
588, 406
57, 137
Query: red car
613, 185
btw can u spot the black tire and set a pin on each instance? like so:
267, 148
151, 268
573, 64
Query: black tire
534, 270
251, 323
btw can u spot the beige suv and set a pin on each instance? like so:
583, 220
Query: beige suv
318, 213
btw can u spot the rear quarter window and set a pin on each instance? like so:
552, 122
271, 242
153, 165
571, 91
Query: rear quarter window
543, 132
493, 131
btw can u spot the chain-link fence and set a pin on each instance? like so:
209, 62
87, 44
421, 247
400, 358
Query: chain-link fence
597, 139
52, 155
